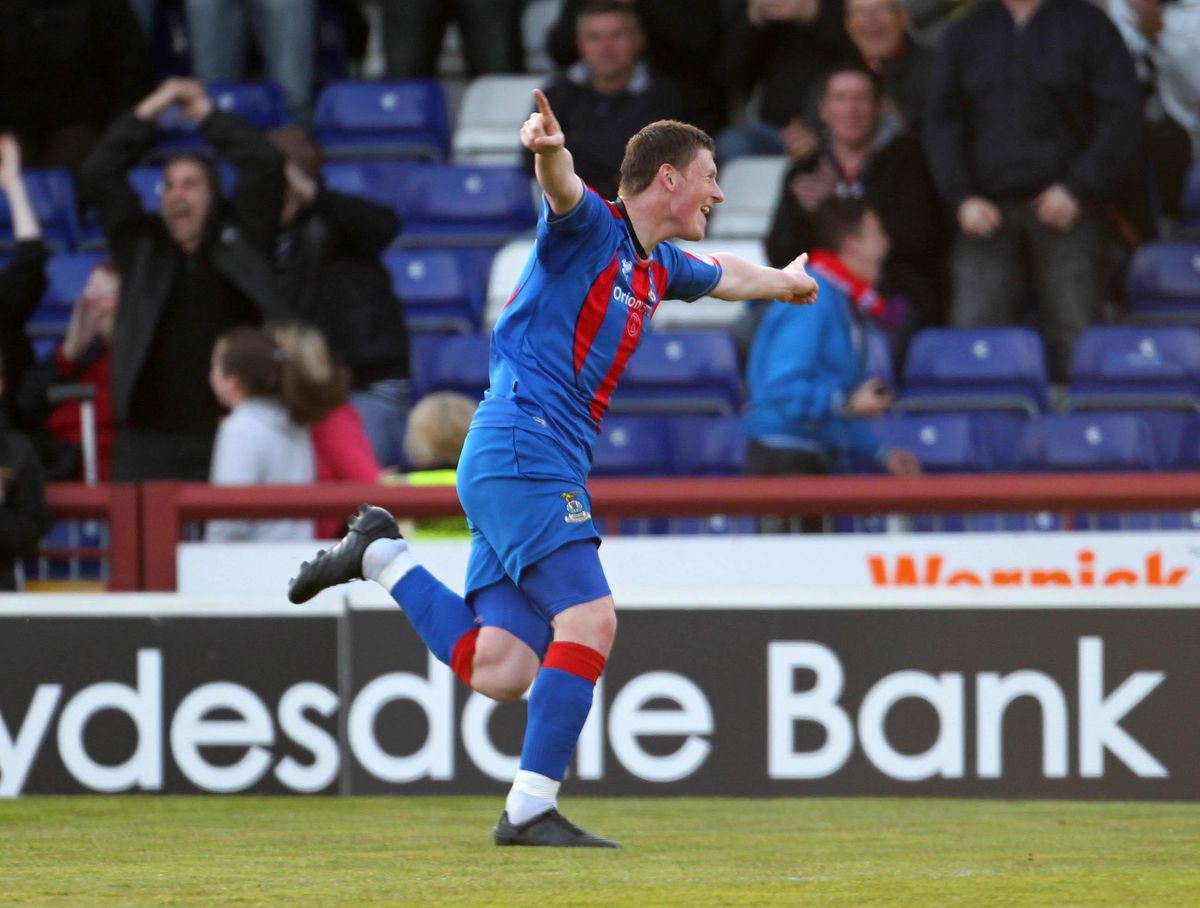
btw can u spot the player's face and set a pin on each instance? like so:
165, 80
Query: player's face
610, 44
697, 193
876, 27
186, 200
849, 109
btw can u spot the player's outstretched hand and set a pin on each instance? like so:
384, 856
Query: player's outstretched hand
804, 288
541, 132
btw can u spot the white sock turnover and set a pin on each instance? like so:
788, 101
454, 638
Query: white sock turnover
531, 795
386, 561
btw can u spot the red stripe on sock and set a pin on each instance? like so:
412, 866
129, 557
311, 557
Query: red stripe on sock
462, 660
575, 658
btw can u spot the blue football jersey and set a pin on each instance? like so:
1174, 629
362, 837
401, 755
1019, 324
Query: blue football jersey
576, 316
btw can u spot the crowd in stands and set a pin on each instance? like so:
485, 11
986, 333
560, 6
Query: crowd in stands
178, 174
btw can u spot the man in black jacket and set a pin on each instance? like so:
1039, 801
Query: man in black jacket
193, 271
24, 515
609, 94
327, 257
1034, 117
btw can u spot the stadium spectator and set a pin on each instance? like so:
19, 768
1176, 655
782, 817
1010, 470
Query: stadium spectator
782, 48
286, 34
189, 273
1164, 38
264, 440
683, 56
433, 443
24, 515
808, 392
879, 30
864, 155
341, 450
327, 256
538, 607
23, 280
413, 31
609, 94
83, 357
69, 67
1034, 116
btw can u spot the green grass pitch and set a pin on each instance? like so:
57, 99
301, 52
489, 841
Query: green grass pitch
125, 850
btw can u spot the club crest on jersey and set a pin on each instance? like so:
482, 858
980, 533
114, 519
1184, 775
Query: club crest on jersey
576, 512
626, 267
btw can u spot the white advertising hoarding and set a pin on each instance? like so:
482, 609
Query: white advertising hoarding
935, 568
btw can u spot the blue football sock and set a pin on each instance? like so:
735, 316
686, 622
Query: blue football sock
439, 615
558, 707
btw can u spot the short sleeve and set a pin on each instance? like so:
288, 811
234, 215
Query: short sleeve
689, 276
563, 238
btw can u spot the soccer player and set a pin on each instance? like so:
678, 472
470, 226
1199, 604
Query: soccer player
538, 608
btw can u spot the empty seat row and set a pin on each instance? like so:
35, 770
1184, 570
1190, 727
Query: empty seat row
1060, 442
1005, 368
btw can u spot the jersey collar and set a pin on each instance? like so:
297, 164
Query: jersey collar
619, 204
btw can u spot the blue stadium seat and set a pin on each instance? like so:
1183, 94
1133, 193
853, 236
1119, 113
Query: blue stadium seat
263, 104
1015, 522
631, 445
706, 445
438, 292
450, 362
879, 357
1163, 283
383, 119
975, 368
1128, 366
379, 181
1087, 441
52, 196
464, 204
944, 442
681, 372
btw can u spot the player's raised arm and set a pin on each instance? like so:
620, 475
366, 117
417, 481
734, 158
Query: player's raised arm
742, 280
552, 163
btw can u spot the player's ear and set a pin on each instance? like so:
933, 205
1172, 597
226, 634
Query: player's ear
668, 175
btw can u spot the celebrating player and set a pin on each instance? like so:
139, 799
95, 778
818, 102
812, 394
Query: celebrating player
538, 607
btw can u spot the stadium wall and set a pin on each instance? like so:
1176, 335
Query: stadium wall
1085, 694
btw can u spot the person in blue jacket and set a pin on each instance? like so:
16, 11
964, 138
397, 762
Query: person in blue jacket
810, 395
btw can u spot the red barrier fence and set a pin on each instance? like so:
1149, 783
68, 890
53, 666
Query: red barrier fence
121, 507
146, 521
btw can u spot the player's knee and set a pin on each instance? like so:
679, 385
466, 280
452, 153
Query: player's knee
593, 624
503, 669
504, 682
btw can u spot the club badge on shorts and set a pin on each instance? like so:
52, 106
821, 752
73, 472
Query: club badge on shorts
576, 513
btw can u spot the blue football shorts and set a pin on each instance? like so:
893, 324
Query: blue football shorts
528, 511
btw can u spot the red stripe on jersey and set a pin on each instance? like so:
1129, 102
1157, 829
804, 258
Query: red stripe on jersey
640, 285
591, 316
659, 274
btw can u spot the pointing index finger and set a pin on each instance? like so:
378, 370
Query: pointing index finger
543, 106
